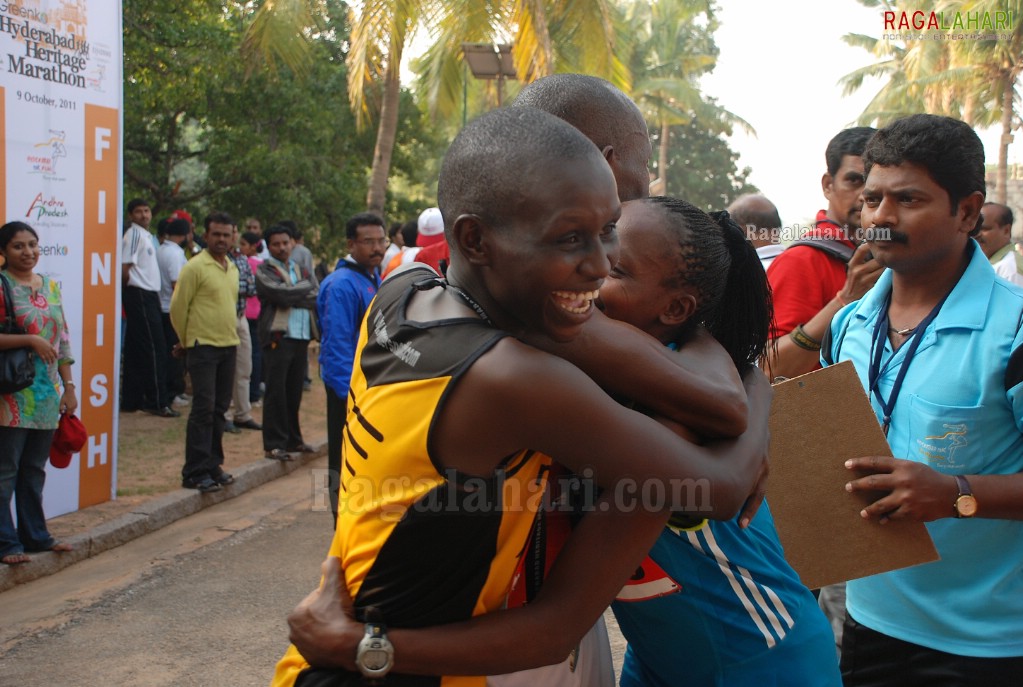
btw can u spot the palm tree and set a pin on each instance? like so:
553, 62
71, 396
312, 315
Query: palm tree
994, 67
974, 80
549, 36
672, 45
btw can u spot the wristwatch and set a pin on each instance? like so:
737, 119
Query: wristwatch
375, 656
966, 503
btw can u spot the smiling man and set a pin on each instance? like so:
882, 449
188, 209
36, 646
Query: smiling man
452, 419
202, 311
937, 345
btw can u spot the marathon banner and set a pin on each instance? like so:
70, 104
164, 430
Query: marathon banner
60, 172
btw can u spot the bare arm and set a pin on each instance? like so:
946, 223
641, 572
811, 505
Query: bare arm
699, 389
790, 360
601, 554
561, 412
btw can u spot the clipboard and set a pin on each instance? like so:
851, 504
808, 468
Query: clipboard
818, 421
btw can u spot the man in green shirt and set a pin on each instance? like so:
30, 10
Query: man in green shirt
203, 314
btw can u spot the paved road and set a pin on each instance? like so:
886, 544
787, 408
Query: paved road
200, 602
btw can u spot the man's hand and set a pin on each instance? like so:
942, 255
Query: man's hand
861, 275
322, 628
915, 491
178, 351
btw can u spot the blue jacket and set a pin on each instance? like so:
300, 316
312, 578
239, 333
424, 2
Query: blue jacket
341, 304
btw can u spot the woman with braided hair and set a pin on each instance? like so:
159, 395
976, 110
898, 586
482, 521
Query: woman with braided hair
715, 602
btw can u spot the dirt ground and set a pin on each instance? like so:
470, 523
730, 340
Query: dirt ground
151, 453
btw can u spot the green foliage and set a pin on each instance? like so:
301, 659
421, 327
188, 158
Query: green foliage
204, 131
702, 168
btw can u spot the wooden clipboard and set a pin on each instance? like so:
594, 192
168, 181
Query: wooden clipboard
818, 421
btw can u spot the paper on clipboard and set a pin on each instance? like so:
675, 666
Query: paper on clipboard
818, 421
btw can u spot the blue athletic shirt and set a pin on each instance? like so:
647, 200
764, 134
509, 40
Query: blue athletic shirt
720, 605
955, 415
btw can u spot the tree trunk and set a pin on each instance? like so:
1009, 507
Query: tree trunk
1002, 178
662, 157
386, 133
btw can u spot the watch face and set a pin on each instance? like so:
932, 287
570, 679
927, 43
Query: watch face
374, 658
966, 506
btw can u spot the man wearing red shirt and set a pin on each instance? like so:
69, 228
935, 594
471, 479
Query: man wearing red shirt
810, 285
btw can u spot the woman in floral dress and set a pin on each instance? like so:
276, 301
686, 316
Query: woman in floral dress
29, 417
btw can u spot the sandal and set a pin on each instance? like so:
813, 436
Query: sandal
15, 559
278, 454
62, 547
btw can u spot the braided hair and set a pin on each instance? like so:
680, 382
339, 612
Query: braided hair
716, 259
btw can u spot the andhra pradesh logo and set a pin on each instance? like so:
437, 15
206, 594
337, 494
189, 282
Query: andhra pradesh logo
43, 208
43, 159
941, 448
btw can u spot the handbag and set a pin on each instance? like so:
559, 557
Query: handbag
17, 368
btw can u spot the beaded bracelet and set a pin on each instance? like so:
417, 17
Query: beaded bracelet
804, 340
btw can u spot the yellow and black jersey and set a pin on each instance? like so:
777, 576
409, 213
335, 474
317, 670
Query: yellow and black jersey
422, 543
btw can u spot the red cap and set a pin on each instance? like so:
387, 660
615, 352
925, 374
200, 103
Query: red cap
181, 214
68, 439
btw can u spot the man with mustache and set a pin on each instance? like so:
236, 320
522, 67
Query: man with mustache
341, 304
810, 282
938, 346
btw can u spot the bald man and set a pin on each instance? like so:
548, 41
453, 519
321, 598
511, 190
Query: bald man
995, 239
605, 115
760, 218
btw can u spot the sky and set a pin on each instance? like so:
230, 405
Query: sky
778, 69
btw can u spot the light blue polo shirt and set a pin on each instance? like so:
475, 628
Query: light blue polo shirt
954, 415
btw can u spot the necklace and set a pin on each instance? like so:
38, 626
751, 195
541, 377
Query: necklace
902, 332
471, 302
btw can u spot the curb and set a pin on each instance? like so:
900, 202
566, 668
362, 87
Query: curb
149, 517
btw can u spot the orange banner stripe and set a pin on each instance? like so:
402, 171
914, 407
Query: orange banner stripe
100, 319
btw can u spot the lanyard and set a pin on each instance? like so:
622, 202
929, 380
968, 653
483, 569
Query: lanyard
877, 350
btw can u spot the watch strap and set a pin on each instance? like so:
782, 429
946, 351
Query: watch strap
965, 505
964, 486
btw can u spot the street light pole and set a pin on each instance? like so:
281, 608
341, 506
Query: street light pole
489, 61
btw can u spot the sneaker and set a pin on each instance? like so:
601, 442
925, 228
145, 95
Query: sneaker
181, 400
231, 428
278, 454
204, 484
258, 403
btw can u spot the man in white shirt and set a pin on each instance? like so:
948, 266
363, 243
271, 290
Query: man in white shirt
171, 258
144, 384
995, 239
